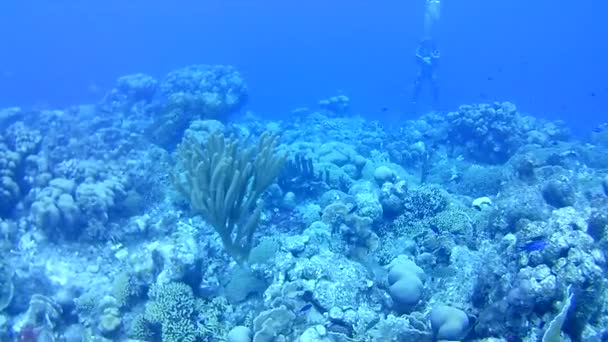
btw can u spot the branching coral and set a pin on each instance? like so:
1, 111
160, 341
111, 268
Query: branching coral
172, 306
300, 176
224, 180
174, 314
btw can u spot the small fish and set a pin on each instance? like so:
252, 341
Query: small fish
434, 228
305, 309
384, 109
600, 128
353, 209
592, 94
534, 245
490, 78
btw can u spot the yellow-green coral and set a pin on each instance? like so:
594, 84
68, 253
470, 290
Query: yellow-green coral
405, 226
355, 230
124, 288
87, 302
214, 328
172, 306
453, 220
179, 316
139, 329
110, 321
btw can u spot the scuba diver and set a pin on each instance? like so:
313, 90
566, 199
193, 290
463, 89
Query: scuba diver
427, 58
427, 53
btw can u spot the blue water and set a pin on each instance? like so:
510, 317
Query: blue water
545, 56
161, 180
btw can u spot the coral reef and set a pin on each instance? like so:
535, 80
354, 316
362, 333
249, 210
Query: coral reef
480, 224
224, 181
336, 105
193, 93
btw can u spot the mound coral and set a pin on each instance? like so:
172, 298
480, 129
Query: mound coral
9, 189
196, 92
489, 133
406, 283
55, 210
449, 323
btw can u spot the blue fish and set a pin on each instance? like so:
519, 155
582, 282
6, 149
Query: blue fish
434, 228
534, 245
305, 308
353, 209
601, 128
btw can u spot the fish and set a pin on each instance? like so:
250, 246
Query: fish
304, 309
353, 208
600, 128
434, 228
536, 244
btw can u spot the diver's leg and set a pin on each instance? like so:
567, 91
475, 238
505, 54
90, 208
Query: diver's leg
435, 88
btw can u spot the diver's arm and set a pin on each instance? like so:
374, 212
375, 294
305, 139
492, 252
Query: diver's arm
419, 56
435, 55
